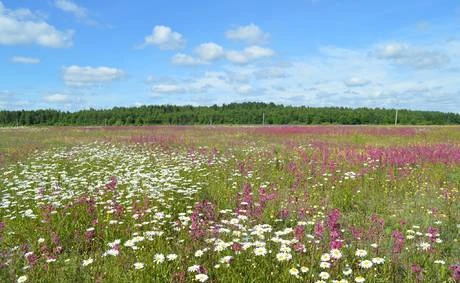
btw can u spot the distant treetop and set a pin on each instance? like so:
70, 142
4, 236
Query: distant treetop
233, 113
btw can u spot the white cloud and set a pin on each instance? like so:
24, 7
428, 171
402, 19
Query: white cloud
21, 26
311, 81
167, 88
209, 51
206, 82
165, 38
11, 101
249, 54
206, 53
25, 60
244, 89
250, 34
70, 7
57, 98
80, 12
192, 85
87, 76
184, 59
242, 74
356, 82
359, 78
392, 50
415, 57
270, 73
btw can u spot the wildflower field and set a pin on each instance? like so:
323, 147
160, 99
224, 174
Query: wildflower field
230, 204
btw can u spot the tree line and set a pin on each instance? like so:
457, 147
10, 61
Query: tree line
233, 113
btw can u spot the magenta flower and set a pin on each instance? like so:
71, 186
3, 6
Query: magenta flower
298, 232
319, 229
455, 269
398, 241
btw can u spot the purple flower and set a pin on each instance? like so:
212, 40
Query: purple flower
319, 229
398, 241
298, 232
455, 272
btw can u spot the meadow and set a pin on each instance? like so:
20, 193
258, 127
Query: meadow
230, 204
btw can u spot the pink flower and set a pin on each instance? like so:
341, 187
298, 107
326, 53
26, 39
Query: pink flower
398, 241
433, 233
236, 247
415, 268
203, 213
319, 229
455, 272
298, 232
284, 213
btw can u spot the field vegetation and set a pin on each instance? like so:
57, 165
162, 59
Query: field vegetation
230, 204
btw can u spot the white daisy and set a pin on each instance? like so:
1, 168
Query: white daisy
336, 254
260, 251
365, 264
324, 275
201, 277
138, 265
361, 253
294, 271
171, 257
158, 258
87, 261
325, 257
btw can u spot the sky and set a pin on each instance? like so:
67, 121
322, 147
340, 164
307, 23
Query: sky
71, 55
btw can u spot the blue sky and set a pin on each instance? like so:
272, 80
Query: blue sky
69, 54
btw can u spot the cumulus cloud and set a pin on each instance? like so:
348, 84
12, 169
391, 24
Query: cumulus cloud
205, 54
184, 59
165, 38
87, 76
167, 88
22, 26
207, 82
80, 12
361, 78
415, 57
191, 85
57, 98
239, 75
209, 51
356, 82
249, 54
24, 60
244, 89
70, 7
270, 73
11, 100
250, 34
393, 51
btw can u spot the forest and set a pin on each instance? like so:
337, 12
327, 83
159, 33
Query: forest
233, 113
